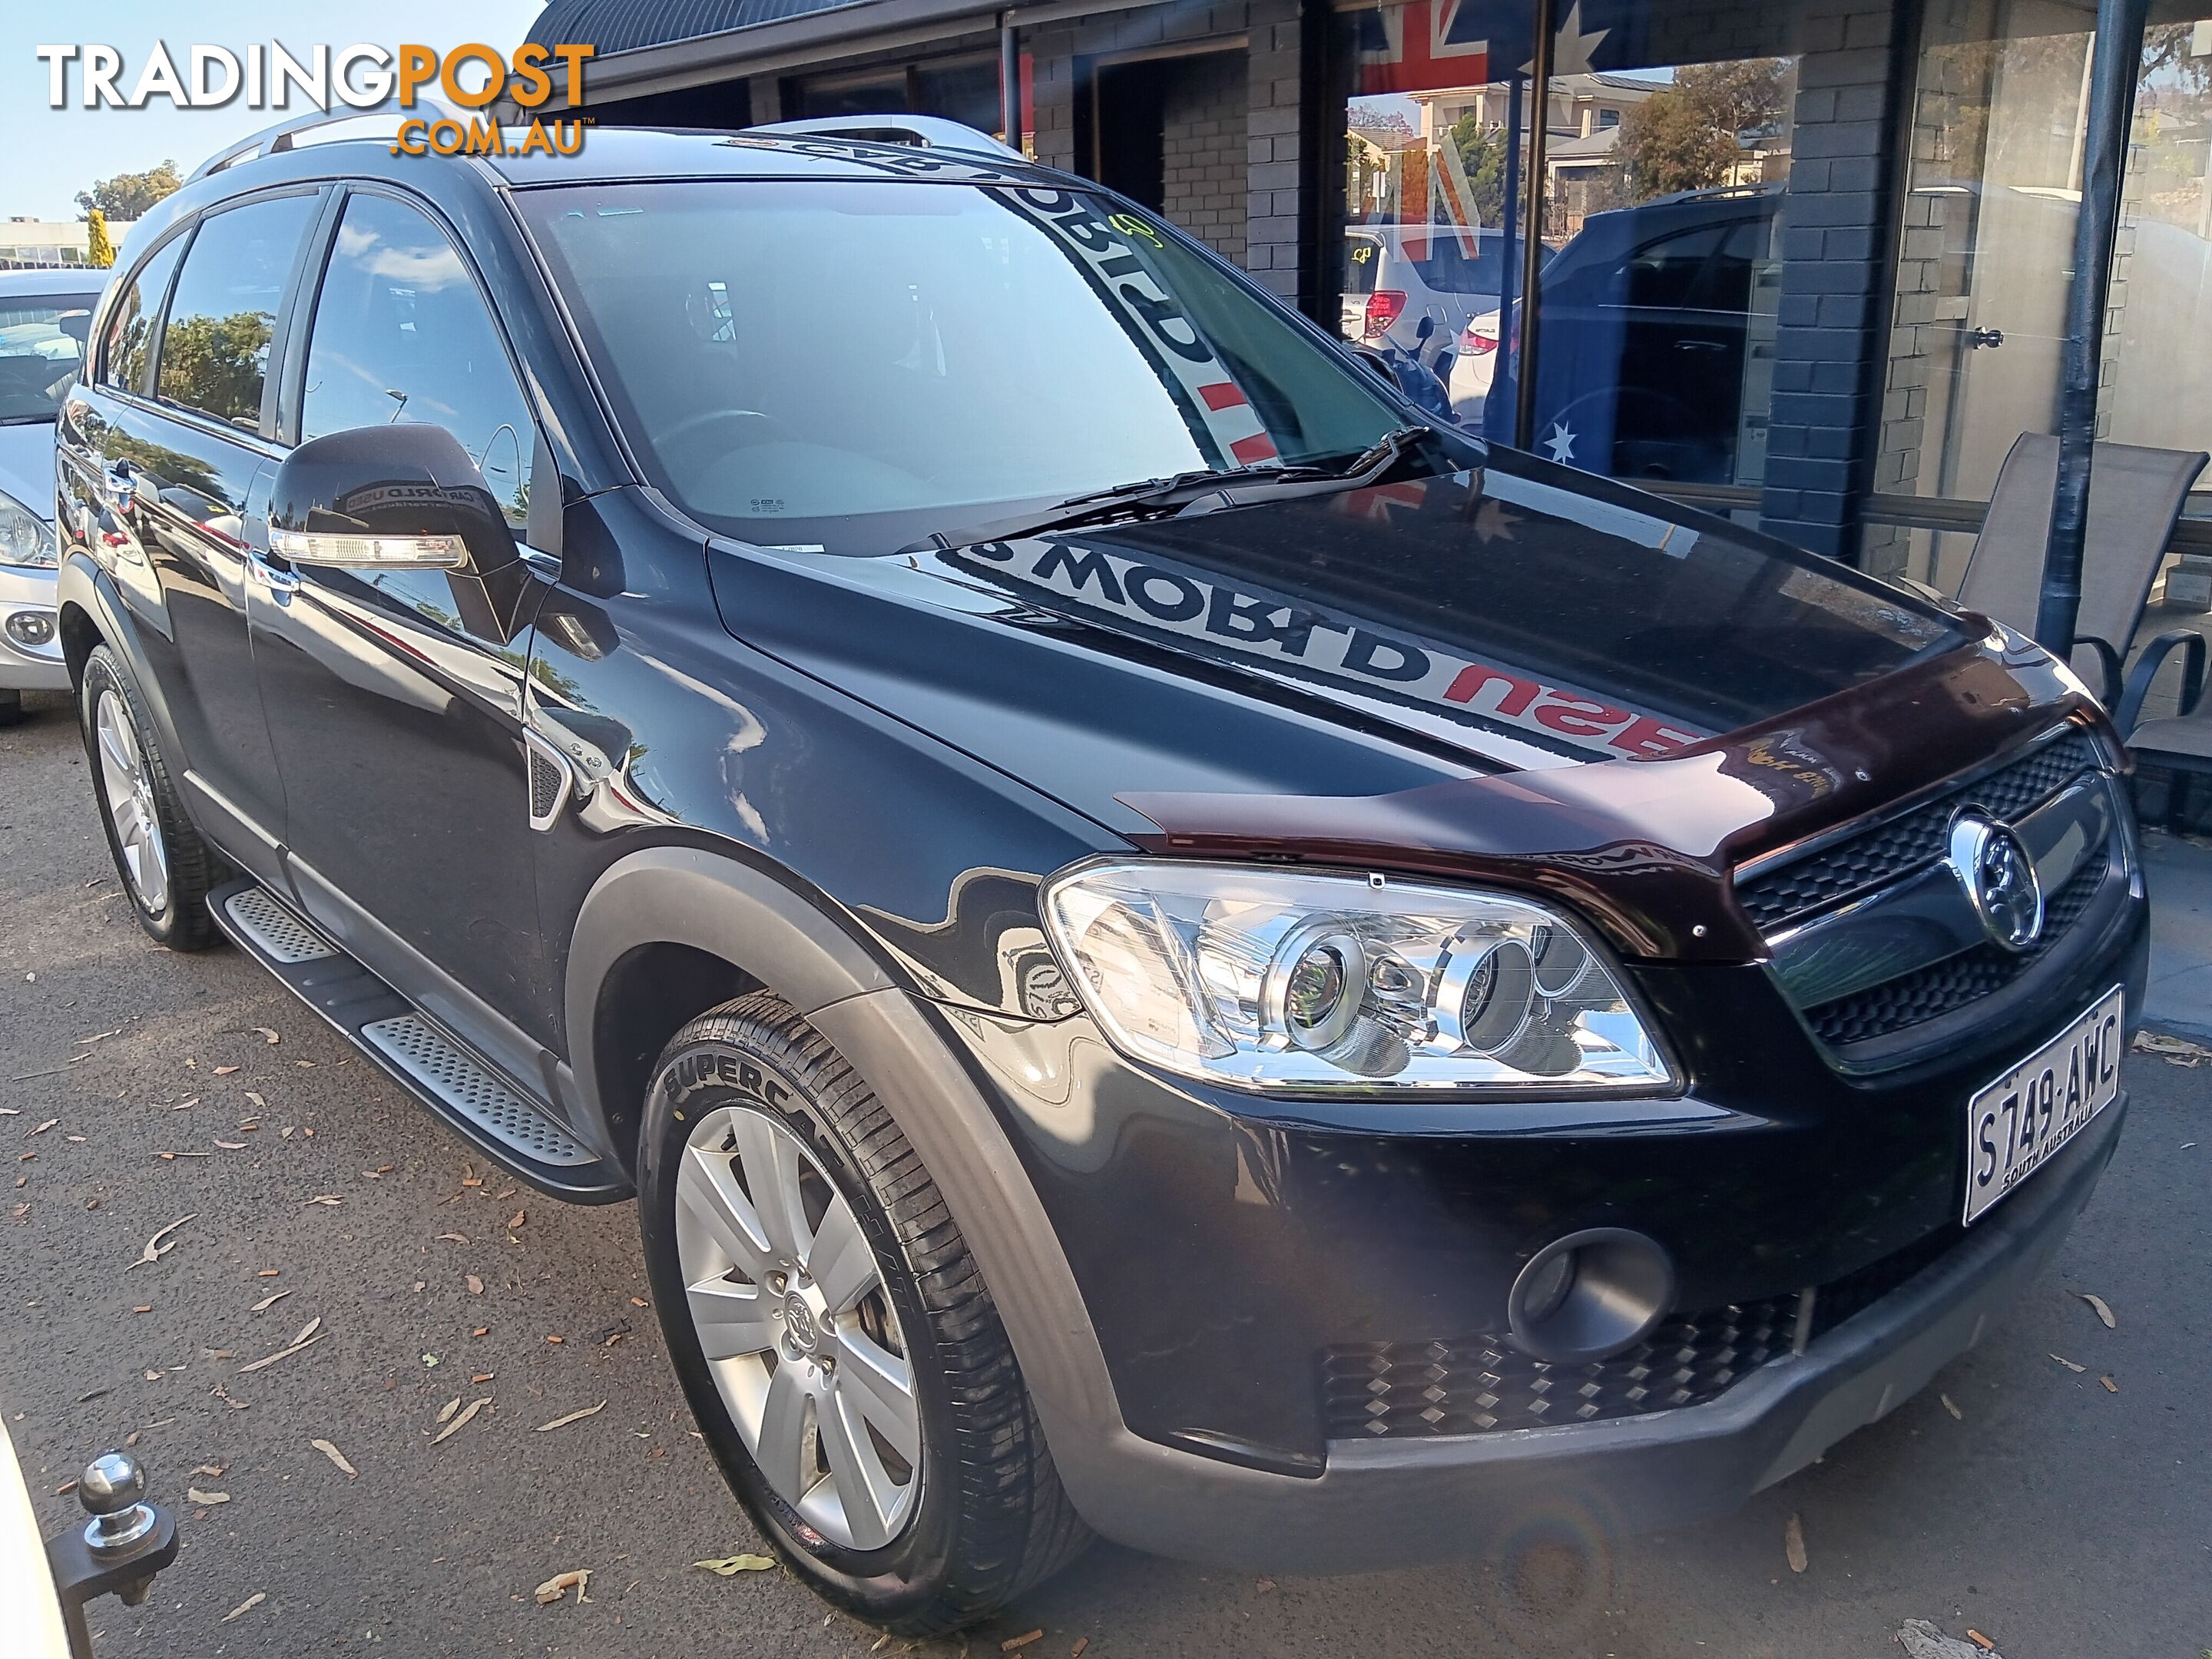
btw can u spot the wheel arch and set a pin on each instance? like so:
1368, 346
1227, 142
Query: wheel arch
746, 922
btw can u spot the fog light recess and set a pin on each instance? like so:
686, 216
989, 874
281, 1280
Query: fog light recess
34, 628
1590, 1295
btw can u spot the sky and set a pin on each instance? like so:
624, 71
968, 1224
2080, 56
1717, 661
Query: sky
47, 155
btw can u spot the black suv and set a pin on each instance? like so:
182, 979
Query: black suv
1164, 950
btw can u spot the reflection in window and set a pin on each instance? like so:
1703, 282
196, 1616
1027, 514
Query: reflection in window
41, 346
215, 346
401, 333
1663, 176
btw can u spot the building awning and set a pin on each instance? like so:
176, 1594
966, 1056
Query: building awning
647, 47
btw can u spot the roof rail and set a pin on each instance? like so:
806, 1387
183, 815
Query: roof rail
919, 131
285, 135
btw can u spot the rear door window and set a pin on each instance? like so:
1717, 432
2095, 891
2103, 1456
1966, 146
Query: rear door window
128, 353
215, 346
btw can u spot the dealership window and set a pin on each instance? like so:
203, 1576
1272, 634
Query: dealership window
1985, 258
1667, 140
963, 88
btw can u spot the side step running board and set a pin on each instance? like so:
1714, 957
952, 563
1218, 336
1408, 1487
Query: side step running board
488, 1109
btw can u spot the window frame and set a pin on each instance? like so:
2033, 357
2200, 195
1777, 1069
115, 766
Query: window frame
542, 532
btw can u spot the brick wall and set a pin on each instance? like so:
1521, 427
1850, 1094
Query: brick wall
1833, 242
1202, 142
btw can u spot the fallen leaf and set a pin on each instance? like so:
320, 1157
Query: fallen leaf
194, 1495
1081, 1642
326, 1198
2111, 1387
1793, 1544
155, 1248
729, 1566
1952, 1407
43, 1128
306, 1331
1980, 1640
269, 1302
232, 1145
267, 1272
336, 1456
213, 1471
1015, 1642
225, 1070
454, 1239
283, 1353
518, 1218
577, 1579
460, 1422
2098, 1306
2068, 1364
479, 1330
267, 1036
246, 1606
259, 1104
2174, 1050
476, 1285
573, 1417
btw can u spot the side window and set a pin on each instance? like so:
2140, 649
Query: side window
128, 349
401, 333
1662, 275
215, 347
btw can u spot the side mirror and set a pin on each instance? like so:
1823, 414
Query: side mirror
387, 498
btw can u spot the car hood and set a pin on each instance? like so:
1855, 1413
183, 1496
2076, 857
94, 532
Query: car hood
1649, 675
26, 466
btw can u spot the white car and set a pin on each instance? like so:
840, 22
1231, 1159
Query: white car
1396, 274
1475, 365
45, 318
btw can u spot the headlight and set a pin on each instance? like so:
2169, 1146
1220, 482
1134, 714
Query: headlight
25, 537
1274, 979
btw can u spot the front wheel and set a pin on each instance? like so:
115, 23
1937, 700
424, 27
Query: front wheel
836, 1342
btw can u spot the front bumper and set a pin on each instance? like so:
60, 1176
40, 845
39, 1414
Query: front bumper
1386, 1503
23, 667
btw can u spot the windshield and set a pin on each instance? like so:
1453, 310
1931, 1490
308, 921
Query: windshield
850, 364
41, 347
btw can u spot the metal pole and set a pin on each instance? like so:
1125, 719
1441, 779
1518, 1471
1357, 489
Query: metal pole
1009, 79
2117, 49
1494, 413
1539, 87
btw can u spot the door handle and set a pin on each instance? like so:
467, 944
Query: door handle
1977, 339
117, 487
281, 580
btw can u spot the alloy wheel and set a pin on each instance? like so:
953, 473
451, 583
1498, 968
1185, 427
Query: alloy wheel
797, 1327
128, 793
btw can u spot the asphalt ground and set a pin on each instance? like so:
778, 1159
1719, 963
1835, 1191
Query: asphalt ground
2017, 1496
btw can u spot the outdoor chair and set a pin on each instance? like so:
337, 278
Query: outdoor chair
2135, 496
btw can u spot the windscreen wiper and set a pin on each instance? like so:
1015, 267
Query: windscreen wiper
1200, 491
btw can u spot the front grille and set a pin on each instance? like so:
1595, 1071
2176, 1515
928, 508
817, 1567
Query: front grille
1945, 987
1775, 899
1483, 1385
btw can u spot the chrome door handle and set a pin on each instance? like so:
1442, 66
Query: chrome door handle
281, 580
117, 487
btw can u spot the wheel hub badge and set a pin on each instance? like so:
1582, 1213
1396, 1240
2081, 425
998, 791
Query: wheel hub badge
798, 1319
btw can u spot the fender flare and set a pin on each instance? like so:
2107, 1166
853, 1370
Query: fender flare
684, 895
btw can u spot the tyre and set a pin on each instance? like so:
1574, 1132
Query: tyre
166, 868
11, 707
836, 1342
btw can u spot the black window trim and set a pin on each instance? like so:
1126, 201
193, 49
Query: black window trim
259, 437
282, 412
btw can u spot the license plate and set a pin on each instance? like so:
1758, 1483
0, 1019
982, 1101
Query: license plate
2017, 1123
